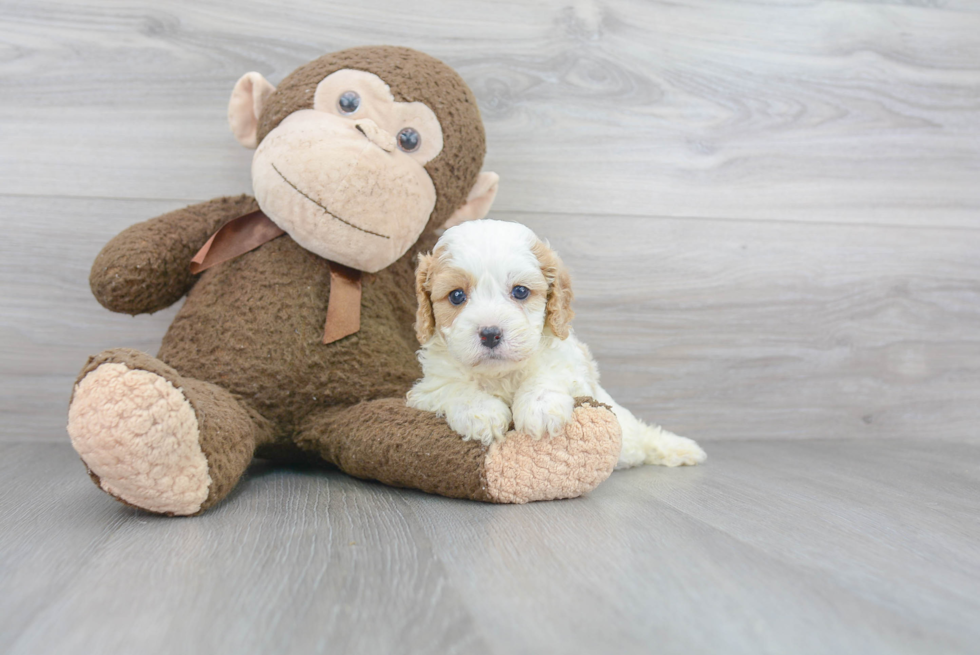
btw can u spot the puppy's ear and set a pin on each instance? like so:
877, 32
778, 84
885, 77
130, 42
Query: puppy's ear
425, 322
558, 311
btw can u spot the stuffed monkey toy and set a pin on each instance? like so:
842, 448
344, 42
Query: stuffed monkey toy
296, 338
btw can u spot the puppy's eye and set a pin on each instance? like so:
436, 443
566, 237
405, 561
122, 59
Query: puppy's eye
409, 139
457, 297
520, 293
348, 102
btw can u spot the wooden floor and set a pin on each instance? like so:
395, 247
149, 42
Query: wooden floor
771, 211
771, 547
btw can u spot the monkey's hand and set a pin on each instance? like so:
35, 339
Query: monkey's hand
146, 267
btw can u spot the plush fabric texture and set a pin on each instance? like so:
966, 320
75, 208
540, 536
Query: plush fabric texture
226, 432
386, 441
413, 77
140, 436
254, 325
337, 195
247, 100
521, 469
478, 201
145, 268
385, 115
245, 354
246, 351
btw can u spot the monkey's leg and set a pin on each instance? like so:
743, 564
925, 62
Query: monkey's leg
159, 441
387, 441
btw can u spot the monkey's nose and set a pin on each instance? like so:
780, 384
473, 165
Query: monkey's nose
375, 134
490, 336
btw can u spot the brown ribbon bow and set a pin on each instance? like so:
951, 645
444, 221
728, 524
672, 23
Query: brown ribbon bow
246, 233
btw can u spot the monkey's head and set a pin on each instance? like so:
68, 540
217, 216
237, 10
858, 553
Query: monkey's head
360, 152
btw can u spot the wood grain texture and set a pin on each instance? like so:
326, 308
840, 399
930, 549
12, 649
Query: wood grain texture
770, 209
830, 111
771, 547
251, 577
725, 329
715, 329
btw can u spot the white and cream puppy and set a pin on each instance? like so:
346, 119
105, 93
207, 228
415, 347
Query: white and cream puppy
497, 348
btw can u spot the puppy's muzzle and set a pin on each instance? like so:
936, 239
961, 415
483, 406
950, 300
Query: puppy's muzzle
490, 336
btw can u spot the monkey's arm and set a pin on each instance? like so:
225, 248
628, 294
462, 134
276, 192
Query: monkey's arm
146, 267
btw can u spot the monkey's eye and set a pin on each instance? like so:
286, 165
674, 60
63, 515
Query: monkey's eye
520, 293
457, 296
348, 102
409, 139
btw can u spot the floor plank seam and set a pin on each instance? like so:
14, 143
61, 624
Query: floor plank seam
559, 214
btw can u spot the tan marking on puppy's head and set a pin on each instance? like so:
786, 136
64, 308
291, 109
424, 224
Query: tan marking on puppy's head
435, 279
558, 311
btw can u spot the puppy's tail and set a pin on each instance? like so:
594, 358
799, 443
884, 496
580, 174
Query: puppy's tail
651, 444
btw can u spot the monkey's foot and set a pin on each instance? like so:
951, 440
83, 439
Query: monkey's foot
521, 469
139, 437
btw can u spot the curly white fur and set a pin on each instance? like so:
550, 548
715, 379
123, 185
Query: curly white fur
530, 377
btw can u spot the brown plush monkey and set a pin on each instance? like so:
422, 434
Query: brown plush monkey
297, 338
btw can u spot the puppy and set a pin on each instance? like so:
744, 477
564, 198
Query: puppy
493, 321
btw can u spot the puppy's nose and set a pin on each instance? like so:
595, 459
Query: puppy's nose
490, 336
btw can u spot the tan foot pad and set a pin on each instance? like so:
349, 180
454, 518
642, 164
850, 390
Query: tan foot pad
520, 469
139, 435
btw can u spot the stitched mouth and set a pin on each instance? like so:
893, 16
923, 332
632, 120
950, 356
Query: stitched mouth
323, 207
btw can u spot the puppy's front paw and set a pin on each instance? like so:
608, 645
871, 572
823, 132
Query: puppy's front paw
483, 419
542, 413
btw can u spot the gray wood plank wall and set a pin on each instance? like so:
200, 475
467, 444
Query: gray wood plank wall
771, 210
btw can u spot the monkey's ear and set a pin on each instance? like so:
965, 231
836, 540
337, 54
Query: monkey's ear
425, 321
247, 100
478, 202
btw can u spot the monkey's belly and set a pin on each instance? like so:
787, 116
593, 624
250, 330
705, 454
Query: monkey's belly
255, 326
